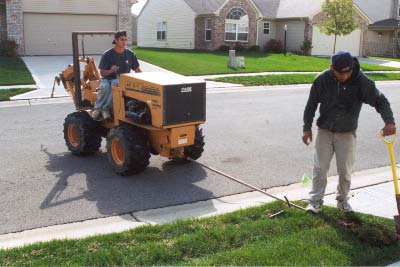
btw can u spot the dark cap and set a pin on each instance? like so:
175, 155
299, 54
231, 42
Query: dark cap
119, 34
341, 60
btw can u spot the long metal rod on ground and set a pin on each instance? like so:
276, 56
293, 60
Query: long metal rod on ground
290, 204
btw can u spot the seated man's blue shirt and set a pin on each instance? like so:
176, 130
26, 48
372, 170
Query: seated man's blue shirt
126, 62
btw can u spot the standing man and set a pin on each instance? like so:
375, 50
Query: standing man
114, 62
340, 91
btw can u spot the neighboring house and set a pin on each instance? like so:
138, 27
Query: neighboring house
136, 9
44, 27
382, 37
208, 24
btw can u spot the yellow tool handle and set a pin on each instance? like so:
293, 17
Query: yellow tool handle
388, 141
390, 145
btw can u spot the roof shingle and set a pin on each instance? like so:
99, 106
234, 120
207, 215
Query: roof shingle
204, 6
268, 8
298, 8
387, 23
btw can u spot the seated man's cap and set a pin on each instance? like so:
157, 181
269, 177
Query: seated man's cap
341, 60
119, 34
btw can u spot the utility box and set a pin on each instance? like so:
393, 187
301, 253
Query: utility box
232, 59
240, 62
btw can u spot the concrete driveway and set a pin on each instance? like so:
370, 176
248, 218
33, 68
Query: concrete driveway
45, 68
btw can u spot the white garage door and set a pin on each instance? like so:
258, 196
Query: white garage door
50, 34
323, 44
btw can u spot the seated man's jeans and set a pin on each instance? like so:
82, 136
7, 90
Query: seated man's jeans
104, 95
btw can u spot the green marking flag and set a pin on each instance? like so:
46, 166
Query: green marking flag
305, 180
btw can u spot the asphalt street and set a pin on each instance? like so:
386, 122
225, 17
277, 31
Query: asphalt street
254, 135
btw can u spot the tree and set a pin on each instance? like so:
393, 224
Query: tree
340, 18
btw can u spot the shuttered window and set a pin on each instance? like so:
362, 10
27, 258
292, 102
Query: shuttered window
161, 31
267, 27
208, 29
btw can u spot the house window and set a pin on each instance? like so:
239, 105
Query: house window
236, 25
161, 30
208, 29
267, 27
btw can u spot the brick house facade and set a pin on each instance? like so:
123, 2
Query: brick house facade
218, 27
256, 22
14, 21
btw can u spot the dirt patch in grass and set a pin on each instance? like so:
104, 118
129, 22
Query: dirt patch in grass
370, 233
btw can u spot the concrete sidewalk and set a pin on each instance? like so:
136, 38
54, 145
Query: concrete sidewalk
380, 62
372, 193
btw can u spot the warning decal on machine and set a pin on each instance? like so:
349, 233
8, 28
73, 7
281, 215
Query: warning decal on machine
182, 141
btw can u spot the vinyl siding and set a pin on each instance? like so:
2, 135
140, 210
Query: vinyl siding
264, 38
180, 24
376, 10
104, 7
387, 36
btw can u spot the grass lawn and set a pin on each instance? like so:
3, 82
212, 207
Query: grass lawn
5, 94
189, 62
246, 237
14, 72
387, 58
283, 79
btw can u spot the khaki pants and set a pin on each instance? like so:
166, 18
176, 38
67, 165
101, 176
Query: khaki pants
327, 143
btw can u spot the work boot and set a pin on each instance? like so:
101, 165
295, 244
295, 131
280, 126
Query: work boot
106, 114
96, 114
314, 207
344, 206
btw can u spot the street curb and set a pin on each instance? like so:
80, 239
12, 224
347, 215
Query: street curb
5, 87
35, 102
200, 209
214, 90
250, 74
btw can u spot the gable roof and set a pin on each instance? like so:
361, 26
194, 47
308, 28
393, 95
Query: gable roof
204, 6
272, 9
298, 8
138, 7
268, 8
387, 23
286, 9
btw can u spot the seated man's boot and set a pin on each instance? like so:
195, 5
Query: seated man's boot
96, 114
106, 114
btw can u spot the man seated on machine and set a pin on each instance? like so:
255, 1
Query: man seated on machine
114, 62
